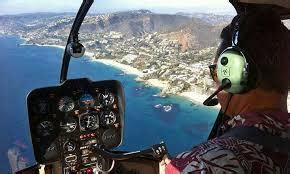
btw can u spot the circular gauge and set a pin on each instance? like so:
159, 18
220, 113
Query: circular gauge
45, 128
108, 118
52, 152
89, 121
66, 104
69, 146
111, 138
69, 125
106, 98
104, 165
42, 107
86, 101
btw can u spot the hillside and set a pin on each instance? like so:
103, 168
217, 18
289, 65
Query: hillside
176, 48
198, 31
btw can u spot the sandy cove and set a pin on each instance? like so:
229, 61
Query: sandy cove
192, 96
195, 97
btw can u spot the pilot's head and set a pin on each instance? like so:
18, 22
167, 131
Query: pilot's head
264, 39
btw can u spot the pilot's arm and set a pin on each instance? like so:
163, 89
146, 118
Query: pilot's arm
210, 157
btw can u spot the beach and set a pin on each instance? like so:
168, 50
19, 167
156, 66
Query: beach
193, 96
125, 68
40, 45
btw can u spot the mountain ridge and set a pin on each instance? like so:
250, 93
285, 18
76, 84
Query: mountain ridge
133, 23
169, 47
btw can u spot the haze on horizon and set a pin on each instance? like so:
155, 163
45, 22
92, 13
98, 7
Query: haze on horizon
104, 6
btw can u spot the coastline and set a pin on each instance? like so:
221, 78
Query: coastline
39, 45
127, 69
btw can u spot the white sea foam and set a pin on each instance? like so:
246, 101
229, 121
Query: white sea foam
158, 106
167, 108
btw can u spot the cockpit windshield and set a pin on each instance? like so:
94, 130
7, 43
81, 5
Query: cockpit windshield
158, 49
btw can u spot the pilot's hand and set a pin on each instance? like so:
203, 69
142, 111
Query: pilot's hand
163, 164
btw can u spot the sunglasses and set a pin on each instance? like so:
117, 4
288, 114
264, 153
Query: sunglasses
213, 72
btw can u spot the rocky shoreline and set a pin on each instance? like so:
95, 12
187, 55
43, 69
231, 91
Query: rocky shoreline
166, 88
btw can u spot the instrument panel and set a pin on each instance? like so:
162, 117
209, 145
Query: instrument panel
66, 120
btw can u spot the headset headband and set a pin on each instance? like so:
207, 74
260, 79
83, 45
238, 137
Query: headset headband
235, 35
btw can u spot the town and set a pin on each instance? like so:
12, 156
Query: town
168, 57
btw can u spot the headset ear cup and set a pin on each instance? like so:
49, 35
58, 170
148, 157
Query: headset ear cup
232, 65
238, 68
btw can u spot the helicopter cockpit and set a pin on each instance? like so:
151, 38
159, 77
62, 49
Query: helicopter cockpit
75, 126
87, 114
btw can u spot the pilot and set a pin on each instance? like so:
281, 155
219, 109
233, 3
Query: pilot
264, 38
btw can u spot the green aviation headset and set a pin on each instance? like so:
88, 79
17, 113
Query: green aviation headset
235, 67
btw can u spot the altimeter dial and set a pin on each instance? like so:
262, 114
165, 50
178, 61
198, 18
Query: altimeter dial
66, 104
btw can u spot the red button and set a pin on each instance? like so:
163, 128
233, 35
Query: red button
90, 171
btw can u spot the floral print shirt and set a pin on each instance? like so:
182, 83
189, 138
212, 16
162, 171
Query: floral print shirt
231, 155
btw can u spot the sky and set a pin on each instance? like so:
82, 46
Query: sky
103, 6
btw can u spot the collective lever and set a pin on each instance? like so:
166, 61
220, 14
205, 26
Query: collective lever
158, 151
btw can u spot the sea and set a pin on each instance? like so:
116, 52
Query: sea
149, 118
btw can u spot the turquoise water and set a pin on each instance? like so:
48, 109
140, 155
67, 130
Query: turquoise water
23, 68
